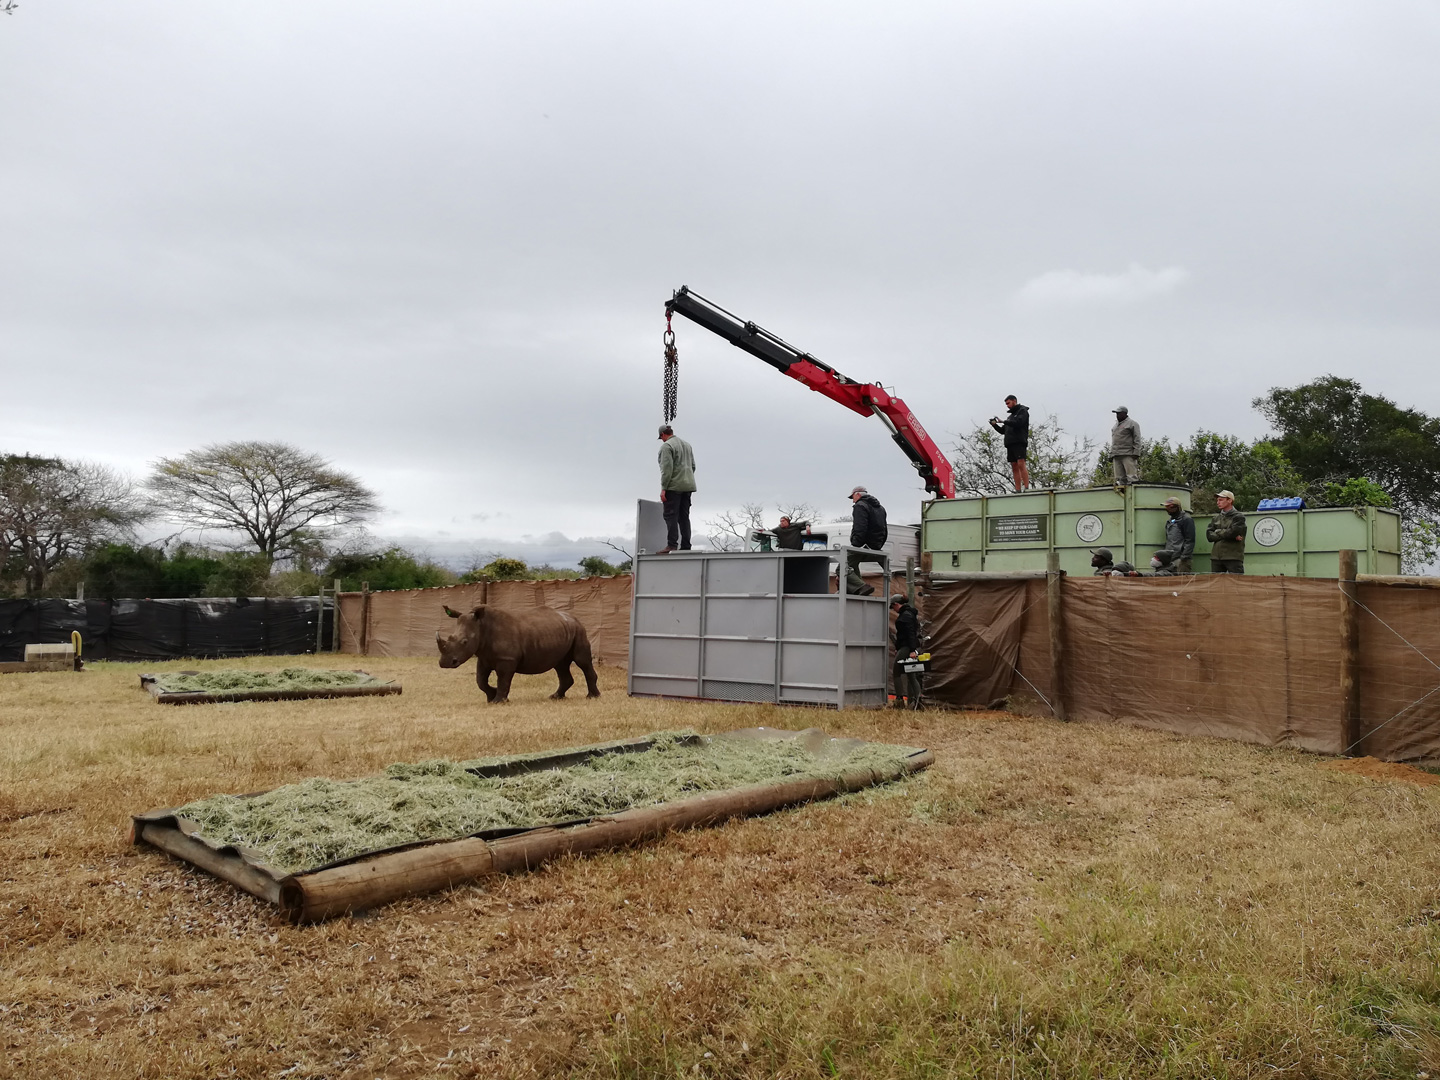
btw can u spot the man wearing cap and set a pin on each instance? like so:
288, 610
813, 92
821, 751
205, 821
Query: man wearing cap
1103, 560
1179, 536
907, 644
790, 535
867, 530
1227, 534
1015, 432
1125, 448
677, 484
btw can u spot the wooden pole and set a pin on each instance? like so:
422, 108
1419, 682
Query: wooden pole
1350, 735
319, 619
335, 619
1053, 578
365, 618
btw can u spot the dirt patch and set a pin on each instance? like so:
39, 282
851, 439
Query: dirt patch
1376, 769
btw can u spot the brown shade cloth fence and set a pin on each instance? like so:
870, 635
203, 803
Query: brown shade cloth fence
1254, 659
403, 622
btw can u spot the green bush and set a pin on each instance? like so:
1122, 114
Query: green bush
1357, 491
393, 568
124, 571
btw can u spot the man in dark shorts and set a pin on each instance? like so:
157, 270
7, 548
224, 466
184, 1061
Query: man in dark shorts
1015, 430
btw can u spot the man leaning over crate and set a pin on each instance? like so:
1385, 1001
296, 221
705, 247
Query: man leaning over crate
1227, 534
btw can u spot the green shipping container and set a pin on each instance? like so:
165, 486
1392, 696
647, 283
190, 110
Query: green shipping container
1017, 532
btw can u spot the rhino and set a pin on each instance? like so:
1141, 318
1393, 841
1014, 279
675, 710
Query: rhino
528, 642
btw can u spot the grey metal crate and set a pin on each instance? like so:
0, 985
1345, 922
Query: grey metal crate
757, 626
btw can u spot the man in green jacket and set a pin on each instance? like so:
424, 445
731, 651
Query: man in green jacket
677, 484
1227, 534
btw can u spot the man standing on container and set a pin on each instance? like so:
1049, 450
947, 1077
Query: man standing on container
1125, 449
1179, 536
1015, 431
1227, 534
677, 484
867, 530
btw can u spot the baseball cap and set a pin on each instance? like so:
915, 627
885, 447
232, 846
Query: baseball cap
1119, 409
1226, 494
859, 489
666, 429
1103, 551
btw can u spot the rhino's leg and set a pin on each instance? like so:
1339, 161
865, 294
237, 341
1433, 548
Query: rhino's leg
503, 675
587, 667
482, 680
566, 680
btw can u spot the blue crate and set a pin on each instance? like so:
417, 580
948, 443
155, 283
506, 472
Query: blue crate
1294, 502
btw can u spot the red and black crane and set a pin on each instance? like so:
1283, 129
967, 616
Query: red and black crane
864, 398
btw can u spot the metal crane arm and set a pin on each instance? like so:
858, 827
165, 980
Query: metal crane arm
864, 398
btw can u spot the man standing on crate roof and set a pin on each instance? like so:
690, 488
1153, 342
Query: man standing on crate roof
1179, 536
1227, 534
1015, 432
1125, 449
677, 485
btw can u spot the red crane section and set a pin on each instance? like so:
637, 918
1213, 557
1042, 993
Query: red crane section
864, 398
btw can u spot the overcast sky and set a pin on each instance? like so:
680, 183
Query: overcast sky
432, 241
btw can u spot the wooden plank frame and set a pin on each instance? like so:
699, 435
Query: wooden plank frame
151, 683
378, 877
16, 667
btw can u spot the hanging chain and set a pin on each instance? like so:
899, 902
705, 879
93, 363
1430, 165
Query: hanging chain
672, 372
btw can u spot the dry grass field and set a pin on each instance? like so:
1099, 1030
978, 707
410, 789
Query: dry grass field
1048, 900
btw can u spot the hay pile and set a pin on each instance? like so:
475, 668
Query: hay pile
294, 678
309, 824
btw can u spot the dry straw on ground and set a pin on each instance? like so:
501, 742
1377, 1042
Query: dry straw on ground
1045, 901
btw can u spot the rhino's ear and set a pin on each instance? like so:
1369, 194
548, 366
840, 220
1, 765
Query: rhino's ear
452, 613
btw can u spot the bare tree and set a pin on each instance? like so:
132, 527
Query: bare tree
1057, 460
282, 498
730, 529
52, 510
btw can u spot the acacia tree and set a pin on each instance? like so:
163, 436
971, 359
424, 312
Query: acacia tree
282, 498
52, 510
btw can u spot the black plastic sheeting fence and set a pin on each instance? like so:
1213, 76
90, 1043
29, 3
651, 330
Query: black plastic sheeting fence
167, 629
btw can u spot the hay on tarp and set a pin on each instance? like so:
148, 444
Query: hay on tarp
292, 678
316, 822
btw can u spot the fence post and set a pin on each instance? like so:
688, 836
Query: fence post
1053, 578
319, 619
365, 618
1349, 655
335, 619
